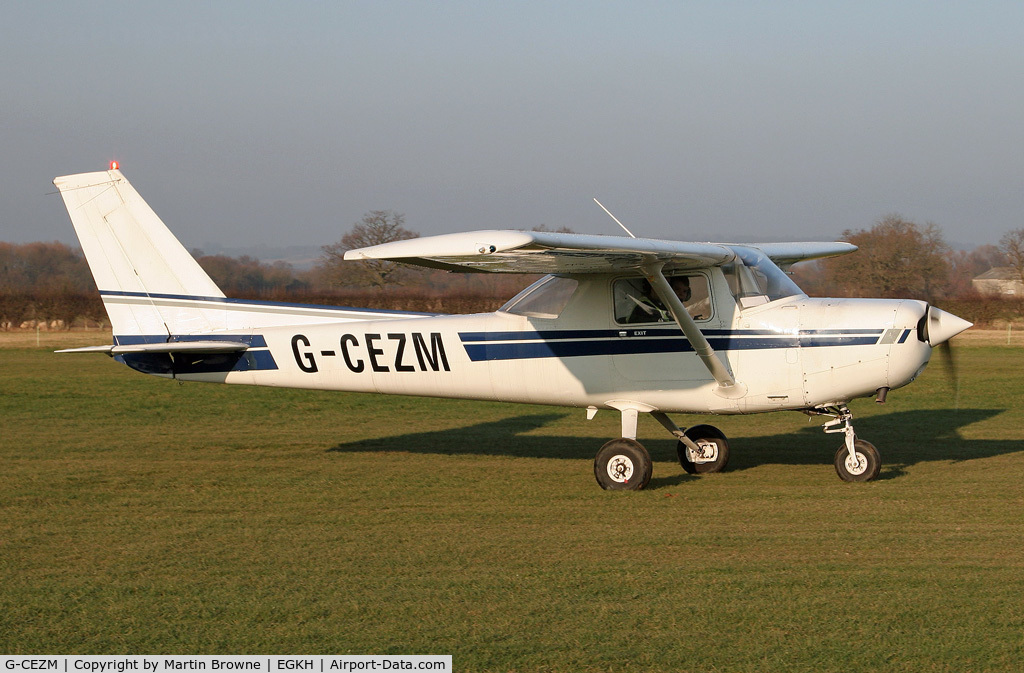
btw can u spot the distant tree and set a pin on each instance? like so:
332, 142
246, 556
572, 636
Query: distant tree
967, 265
896, 258
45, 282
39, 266
376, 227
986, 257
560, 230
810, 277
14, 308
248, 276
1012, 246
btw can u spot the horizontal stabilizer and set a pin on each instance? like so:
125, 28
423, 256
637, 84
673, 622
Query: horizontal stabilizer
90, 349
168, 347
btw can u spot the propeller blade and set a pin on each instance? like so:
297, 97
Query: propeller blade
951, 370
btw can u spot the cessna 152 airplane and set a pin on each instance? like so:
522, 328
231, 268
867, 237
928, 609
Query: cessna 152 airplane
629, 324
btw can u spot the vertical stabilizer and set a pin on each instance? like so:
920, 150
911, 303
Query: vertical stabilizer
134, 258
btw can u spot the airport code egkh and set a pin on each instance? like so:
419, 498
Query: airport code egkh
441, 663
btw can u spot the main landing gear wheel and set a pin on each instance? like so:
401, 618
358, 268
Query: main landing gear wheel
866, 466
714, 450
622, 465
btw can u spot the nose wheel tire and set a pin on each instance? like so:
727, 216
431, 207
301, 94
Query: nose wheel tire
864, 468
714, 450
622, 465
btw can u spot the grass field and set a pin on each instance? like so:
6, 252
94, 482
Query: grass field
142, 516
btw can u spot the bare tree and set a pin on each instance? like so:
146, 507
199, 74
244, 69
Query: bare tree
968, 264
896, 258
1012, 245
249, 277
38, 266
376, 227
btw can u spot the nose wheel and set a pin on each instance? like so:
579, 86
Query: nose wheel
862, 465
856, 459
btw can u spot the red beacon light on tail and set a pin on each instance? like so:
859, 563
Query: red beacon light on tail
114, 165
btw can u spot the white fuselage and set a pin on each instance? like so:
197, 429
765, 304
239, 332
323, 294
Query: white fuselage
794, 353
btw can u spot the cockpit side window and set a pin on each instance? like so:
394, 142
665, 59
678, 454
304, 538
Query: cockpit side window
636, 302
546, 298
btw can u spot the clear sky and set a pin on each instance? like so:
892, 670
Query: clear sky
251, 123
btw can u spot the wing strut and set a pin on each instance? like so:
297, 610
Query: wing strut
727, 386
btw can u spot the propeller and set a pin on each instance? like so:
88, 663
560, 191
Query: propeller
936, 328
949, 366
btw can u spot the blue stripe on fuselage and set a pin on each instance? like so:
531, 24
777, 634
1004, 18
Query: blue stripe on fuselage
632, 331
254, 340
483, 346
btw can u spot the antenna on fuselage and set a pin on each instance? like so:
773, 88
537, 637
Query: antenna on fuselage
614, 218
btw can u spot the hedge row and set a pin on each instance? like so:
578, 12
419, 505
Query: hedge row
985, 311
49, 310
66, 309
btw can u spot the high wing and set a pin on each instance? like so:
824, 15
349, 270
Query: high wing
787, 254
543, 252
503, 251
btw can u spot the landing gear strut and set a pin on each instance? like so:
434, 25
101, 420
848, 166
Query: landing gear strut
702, 449
856, 459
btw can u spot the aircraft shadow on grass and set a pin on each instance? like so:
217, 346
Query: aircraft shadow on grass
903, 438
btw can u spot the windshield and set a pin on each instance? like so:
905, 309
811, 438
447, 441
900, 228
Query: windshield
754, 279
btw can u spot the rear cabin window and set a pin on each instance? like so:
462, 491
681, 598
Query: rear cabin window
636, 302
546, 298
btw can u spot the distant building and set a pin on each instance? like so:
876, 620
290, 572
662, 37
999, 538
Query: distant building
1001, 280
